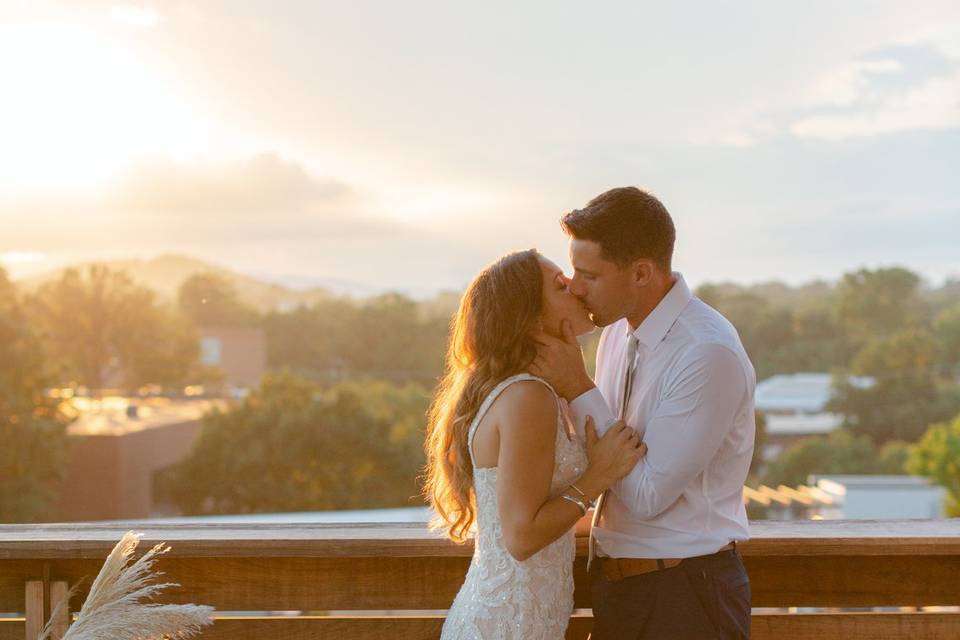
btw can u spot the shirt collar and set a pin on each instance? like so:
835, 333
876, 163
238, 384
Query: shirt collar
655, 326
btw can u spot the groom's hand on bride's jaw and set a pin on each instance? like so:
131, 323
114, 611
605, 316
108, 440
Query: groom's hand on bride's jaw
560, 362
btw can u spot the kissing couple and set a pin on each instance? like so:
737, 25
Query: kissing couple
522, 443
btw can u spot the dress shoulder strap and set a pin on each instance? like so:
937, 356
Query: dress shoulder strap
494, 393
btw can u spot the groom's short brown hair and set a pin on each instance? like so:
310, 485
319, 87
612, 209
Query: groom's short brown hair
628, 223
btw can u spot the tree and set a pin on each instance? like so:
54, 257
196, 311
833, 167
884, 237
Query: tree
946, 329
32, 428
163, 350
877, 302
819, 343
395, 342
293, 445
840, 452
904, 396
937, 456
784, 330
103, 328
211, 301
316, 341
764, 329
892, 458
387, 337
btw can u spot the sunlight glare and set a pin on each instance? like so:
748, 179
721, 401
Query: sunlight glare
79, 108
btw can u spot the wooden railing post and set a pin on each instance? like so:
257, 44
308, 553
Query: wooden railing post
35, 617
33, 608
58, 593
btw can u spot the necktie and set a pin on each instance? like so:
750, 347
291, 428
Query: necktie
631, 361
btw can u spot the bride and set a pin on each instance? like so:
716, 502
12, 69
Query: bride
502, 458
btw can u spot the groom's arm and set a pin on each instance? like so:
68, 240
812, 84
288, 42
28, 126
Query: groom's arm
686, 431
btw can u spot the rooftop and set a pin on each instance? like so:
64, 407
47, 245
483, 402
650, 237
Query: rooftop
117, 415
799, 392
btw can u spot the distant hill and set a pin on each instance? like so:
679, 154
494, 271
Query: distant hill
164, 274
268, 292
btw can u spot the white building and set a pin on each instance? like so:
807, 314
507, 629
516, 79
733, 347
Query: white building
795, 405
880, 497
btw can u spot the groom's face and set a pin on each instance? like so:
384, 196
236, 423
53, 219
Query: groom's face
603, 287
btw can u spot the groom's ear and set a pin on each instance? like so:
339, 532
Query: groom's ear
642, 272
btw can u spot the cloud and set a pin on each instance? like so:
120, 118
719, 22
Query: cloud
265, 213
903, 86
911, 84
848, 83
259, 198
934, 104
263, 183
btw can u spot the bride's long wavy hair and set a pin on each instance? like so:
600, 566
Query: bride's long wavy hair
489, 341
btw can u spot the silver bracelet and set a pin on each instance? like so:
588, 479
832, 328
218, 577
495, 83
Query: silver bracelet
576, 501
580, 491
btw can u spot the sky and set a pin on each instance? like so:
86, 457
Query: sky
406, 145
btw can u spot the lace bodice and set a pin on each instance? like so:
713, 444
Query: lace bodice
503, 598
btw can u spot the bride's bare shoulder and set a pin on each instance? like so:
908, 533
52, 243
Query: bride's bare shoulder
527, 404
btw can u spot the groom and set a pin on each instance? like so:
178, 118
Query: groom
663, 559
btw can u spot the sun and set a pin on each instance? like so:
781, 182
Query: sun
80, 106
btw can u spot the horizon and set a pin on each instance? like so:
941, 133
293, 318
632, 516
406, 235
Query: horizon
360, 290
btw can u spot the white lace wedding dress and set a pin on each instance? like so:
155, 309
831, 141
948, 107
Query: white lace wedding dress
501, 597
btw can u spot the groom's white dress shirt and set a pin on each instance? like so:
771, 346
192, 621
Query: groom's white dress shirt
692, 402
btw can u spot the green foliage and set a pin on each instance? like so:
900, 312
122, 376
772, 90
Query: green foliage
32, 429
293, 445
781, 339
892, 458
946, 328
163, 350
937, 456
877, 302
103, 329
387, 337
762, 328
211, 301
904, 353
905, 397
842, 452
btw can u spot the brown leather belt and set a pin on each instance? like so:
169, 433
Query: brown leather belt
616, 569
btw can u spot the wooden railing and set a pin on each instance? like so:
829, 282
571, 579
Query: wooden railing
350, 581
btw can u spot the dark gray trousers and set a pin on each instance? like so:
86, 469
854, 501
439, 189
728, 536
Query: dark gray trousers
703, 598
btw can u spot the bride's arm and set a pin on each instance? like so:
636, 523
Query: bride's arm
582, 527
530, 518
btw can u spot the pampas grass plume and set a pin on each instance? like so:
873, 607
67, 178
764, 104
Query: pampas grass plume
114, 611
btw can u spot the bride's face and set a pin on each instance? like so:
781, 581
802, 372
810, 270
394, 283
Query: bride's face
559, 304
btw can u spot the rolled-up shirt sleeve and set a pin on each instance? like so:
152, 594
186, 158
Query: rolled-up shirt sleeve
696, 413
